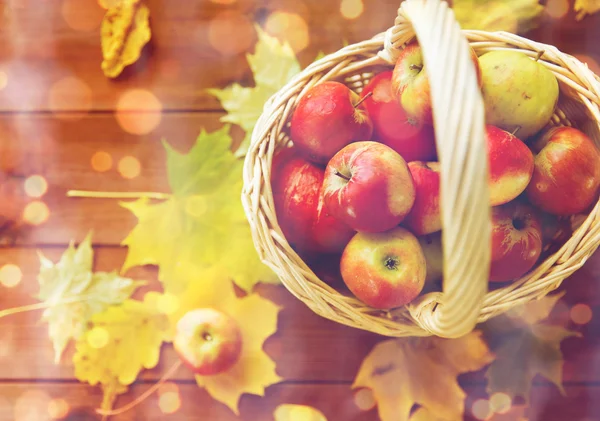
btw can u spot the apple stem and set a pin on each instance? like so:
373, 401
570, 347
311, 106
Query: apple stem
339, 174
514, 132
539, 55
143, 396
415, 67
370, 94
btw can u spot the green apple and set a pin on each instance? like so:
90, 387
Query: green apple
520, 93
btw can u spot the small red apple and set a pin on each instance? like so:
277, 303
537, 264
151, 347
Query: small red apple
303, 218
516, 240
384, 270
510, 165
411, 84
566, 176
424, 217
208, 341
368, 186
326, 119
408, 136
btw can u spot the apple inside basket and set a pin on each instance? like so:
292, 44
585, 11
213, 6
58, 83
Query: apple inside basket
374, 172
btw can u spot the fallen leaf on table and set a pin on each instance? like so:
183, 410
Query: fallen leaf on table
524, 347
586, 7
288, 412
422, 371
257, 320
125, 30
202, 225
273, 64
516, 16
121, 341
74, 293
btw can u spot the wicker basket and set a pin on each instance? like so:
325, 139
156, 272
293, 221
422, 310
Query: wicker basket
459, 126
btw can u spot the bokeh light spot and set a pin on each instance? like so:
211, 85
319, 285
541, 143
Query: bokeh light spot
70, 93
10, 275
98, 337
167, 303
169, 402
231, 33
581, 314
3, 80
36, 186
351, 9
556, 9
364, 399
289, 27
481, 409
7, 342
36, 213
500, 403
101, 161
138, 111
58, 409
129, 167
32, 405
84, 19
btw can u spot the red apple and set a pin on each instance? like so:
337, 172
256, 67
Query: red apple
510, 165
516, 240
326, 119
411, 84
384, 270
566, 176
368, 186
208, 341
303, 218
408, 136
424, 217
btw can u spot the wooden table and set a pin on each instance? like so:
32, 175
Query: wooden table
57, 110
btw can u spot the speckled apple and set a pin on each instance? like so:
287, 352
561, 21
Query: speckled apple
424, 217
326, 119
516, 240
566, 176
510, 165
384, 270
368, 186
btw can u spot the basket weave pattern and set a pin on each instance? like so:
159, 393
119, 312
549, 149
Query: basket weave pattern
459, 125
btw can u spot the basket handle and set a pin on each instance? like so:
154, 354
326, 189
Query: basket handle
461, 143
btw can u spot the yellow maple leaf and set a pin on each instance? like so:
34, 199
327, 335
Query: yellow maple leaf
586, 7
120, 342
515, 16
524, 347
289, 412
423, 371
257, 320
273, 64
125, 30
202, 225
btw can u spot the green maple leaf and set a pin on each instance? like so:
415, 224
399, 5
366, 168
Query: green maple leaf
526, 347
202, 225
515, 16
74, 293
122, 340
273, 64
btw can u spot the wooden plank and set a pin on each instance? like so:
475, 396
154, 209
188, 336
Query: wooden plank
335, 401
181, 62
306, 346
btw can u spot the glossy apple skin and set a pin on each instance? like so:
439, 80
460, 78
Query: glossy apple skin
384, 270
380, 191
510, 165
411, 85
325, 120
566, 176
208, 341
424, 217
303, 218
408, 136
516, 240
